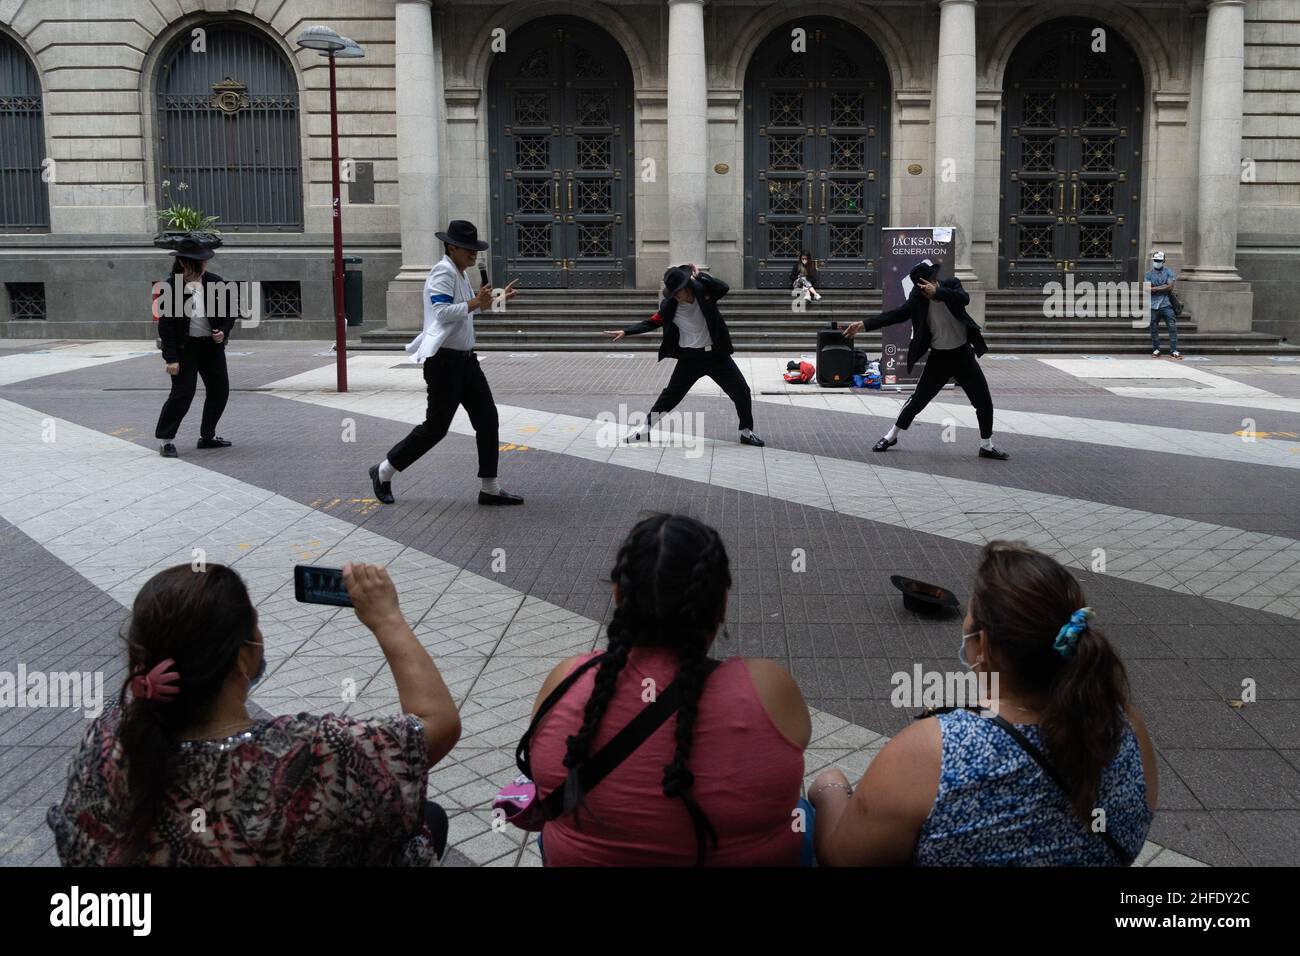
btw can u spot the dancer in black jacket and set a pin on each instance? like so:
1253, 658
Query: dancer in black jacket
942, 326
194, 345
696, 336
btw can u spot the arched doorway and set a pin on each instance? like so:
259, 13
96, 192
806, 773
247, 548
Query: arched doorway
24, 195
1071, 158
816, 155
560, 141
228, 128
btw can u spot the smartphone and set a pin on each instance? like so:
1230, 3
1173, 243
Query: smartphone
313, 585
482, 275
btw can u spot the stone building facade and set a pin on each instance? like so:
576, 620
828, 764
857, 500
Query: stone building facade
595, 143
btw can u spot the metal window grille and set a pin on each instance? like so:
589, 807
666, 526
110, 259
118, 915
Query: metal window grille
228, 128
24, 194
26, 300
282, 300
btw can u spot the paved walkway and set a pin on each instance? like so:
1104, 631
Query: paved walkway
1196, 605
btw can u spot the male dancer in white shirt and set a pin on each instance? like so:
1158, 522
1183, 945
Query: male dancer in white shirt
696, 336
451, 371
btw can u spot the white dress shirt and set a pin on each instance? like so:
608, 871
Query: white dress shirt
448, 315
692, 330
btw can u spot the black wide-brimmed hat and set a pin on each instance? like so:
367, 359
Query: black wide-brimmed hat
189, 245
924, 598
675, 280
464, 234
925, 269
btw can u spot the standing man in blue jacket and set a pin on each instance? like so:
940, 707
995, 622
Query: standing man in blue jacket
941, 326
1162, 283
451, 371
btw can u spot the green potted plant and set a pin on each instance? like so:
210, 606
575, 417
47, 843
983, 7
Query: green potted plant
181, 221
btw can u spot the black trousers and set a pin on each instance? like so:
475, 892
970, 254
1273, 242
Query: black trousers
453, 379
200, 358
695, 364
946, 364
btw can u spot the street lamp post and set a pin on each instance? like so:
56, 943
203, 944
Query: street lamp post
330, 44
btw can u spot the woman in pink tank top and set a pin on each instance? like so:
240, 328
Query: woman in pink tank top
717, 783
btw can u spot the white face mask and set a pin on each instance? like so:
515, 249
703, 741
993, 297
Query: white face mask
961, 652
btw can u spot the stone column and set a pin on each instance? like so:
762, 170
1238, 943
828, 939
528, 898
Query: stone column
688, 134
1217, 297
418, 62
954, 139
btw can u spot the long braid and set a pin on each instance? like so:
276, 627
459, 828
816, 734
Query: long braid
672, 575
699, 602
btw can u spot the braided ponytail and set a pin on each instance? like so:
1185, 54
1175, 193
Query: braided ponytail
672, 575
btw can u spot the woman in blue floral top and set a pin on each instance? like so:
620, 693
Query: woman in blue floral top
1054, 768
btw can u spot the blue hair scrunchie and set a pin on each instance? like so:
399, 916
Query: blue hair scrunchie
1068, 636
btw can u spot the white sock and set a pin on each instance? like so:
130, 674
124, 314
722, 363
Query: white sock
987, 444
746, 432
386, 471
491, 486
892, 433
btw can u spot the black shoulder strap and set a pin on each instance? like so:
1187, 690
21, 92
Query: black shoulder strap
521, 751
1040, 758
598, 766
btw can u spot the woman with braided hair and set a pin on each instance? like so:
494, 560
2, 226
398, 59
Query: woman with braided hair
716, 783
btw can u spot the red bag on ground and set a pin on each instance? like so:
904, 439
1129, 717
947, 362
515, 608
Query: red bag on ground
800, 373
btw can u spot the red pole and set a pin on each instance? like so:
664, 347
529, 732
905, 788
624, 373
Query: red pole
340, 324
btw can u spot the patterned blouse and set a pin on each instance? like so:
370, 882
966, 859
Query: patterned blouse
996, 807
297, 791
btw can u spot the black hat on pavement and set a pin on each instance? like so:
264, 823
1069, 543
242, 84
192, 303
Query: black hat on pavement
923, 598
464, 234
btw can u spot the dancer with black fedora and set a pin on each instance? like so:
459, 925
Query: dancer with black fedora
193, 340
696, 336
941, 326
451, 370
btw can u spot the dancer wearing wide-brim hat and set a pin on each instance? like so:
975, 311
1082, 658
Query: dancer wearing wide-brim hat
193, 328
941, 326
451, 370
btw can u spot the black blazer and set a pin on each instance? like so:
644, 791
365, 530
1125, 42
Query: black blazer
812, 272
173, 330
917, 308
708, 290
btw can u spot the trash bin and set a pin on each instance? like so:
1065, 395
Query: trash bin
352, 297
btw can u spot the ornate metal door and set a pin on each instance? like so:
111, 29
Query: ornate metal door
24, 195
560, 112
1071, 158
816, 151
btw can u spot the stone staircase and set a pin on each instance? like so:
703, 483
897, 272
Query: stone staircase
760, 320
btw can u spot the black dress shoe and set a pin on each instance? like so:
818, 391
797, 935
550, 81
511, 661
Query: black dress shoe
752, 439
383, 489
884, 444
168, 451
500, 498
993, 453
216, 441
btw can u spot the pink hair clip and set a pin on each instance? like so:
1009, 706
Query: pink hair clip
159, 684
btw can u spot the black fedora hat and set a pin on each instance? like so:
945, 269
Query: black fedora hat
190, 245
675, 280
925, 269
924, 598
464, 234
